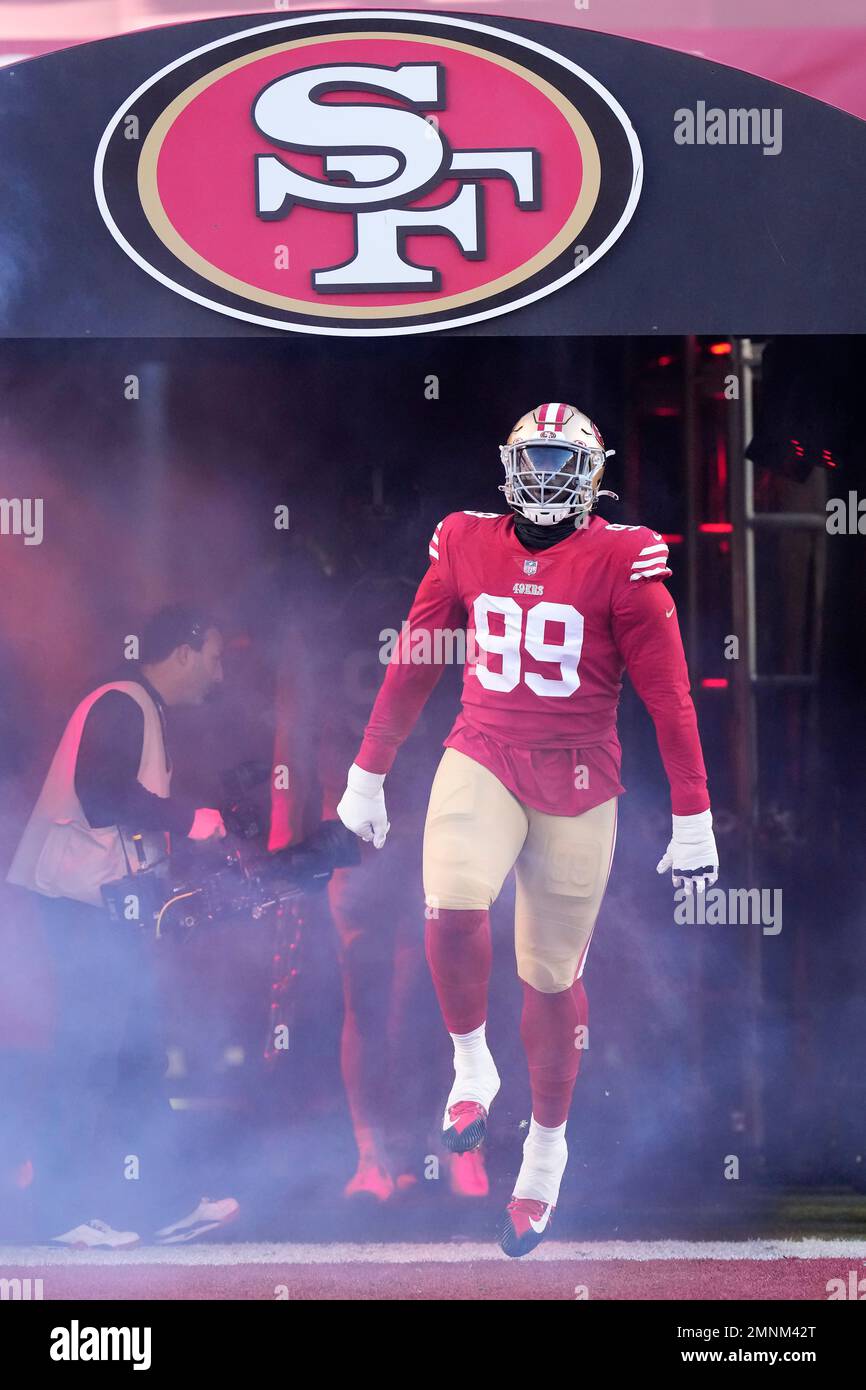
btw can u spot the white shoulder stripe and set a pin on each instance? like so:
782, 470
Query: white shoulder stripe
648, 574
648, 563
652, 549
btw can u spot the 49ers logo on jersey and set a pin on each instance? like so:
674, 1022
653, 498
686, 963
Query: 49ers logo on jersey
371, 173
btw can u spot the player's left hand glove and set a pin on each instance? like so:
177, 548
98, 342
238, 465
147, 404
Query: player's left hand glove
692, 856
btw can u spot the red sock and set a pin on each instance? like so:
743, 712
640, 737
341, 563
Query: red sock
548, 1028
459, 953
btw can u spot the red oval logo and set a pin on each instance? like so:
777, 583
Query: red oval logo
368, 175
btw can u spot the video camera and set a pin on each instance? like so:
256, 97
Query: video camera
243, 880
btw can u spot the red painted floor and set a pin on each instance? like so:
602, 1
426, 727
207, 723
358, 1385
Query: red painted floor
448, 1277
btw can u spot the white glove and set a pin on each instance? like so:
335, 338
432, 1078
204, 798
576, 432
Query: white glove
692, 847
362, 806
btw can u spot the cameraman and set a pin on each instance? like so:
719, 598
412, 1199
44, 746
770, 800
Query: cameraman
105, 811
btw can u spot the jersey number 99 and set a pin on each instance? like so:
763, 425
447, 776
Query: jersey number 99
516, 638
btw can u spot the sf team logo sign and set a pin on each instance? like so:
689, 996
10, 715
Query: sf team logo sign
368, 174
382, 161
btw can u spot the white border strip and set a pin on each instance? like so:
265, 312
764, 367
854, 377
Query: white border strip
459, 1252
342, 17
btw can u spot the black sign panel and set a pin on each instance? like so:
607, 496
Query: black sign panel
378, 173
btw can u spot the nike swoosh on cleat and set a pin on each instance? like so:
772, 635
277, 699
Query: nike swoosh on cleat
449, 1120
539, 1226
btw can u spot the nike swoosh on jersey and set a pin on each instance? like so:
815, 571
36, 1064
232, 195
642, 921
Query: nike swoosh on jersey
668, 614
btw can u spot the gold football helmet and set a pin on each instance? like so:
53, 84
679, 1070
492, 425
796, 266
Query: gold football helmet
554, 461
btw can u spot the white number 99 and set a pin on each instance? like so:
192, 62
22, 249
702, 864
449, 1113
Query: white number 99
506, 644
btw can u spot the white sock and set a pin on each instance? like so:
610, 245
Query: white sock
545, 1154
475, 1074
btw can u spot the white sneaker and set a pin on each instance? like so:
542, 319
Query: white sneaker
208, 1216
95, 1235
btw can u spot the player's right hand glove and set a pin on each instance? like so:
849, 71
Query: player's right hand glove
692, 856
362, 806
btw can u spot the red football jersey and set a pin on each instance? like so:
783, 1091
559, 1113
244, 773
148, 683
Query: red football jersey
548, 636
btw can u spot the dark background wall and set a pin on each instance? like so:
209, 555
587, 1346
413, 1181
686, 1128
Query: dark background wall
171, 496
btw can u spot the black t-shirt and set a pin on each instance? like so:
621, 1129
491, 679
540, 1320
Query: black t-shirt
106, 772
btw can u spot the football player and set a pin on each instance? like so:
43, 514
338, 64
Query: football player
556, 605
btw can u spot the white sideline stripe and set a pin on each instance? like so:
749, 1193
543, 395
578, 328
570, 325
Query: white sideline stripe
460, 1252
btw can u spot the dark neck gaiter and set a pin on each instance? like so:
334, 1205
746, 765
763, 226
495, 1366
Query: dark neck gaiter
542, 537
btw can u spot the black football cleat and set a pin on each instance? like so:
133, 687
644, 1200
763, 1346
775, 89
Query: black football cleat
527, 1222
464, 1126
